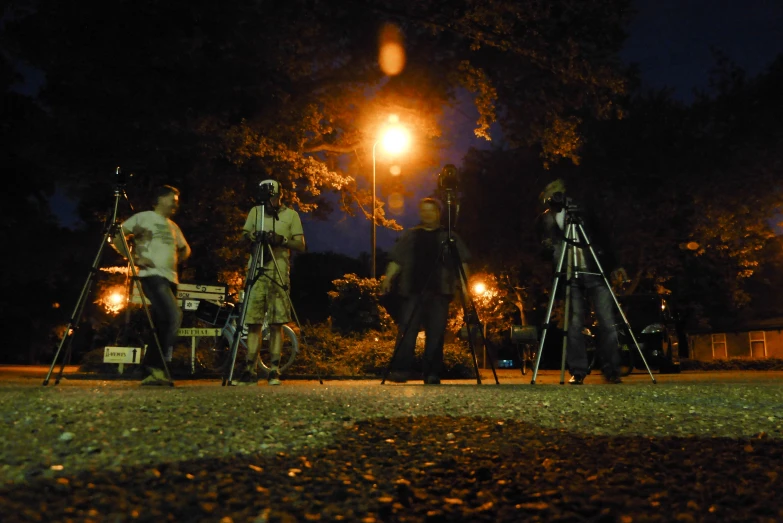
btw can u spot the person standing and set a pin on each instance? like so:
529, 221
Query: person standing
159, 247
586, 282
427, 283
281, 233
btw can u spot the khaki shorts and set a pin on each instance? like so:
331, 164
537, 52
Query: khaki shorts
268, 298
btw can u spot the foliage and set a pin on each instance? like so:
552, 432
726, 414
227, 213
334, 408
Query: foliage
335, 354
354, 306
229, 92
665, 175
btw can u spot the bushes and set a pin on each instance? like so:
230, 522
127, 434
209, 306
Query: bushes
334, 354
733, 364
354, 306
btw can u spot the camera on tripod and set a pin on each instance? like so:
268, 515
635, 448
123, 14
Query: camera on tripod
267, 190
559, 201
448, 178
120, 178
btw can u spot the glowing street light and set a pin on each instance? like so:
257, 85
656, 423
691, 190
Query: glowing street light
395, 140
479, 288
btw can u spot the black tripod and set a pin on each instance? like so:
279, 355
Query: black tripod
571, 249
450, 253
114, 229
255, 271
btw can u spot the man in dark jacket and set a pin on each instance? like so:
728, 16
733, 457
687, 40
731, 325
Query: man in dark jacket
428, 281
586, 280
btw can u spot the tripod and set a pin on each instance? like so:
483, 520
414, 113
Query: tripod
114, 229
450, 253
571, 249
254, 272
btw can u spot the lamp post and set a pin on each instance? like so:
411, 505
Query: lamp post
394, 140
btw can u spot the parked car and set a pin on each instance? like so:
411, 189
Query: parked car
654, 325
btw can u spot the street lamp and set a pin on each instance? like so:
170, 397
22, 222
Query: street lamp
394, 140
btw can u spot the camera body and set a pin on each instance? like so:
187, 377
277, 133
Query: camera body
559, 201
267, 190
448, 178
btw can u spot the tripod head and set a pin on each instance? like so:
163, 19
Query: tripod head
269, 190
448, 182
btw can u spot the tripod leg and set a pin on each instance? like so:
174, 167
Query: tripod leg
293, 311
78, 309
411, 319
566, 325
548, 318
250, 279
617, 303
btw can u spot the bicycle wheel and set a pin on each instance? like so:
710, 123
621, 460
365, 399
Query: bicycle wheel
288, 351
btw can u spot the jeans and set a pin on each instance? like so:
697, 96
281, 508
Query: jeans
166, 315
430, 311
593, 287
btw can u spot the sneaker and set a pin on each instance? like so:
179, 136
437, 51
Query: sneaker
577, 379
156, 378
432, 380
274, 377
248, 377
612, 378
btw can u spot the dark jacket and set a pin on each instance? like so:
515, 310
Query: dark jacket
551, 238
402, 253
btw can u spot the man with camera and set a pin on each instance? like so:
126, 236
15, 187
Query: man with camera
427, 283
278, 229
586, 281
159, 247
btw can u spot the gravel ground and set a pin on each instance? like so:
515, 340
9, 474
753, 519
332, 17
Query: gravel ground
685, 449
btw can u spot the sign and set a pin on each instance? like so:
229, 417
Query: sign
190, 294
122, 354
198, 332
191, 305
197, 287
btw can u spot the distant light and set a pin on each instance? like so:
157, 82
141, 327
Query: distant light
479, 288
396, 203
55, 305
395, 170
692, 246
395, 140
391, 53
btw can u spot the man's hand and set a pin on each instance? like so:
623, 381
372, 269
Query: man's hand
273, 239
619, 276
386, 284
143, 262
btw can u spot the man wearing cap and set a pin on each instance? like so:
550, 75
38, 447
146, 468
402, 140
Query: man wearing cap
280, 232
585, 283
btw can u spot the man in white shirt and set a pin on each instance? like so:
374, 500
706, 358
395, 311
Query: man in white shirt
159, 248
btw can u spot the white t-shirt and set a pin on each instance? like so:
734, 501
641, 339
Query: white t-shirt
287, 224
158, 239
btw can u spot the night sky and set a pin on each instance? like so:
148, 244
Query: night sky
670, 40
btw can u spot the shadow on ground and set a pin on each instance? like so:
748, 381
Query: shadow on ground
424, 469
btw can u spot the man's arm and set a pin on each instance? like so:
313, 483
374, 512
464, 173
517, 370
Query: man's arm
183, 252
391, 272
296, 243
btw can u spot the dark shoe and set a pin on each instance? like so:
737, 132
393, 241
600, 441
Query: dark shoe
612, 378
577, 379
432, 380
248, 377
